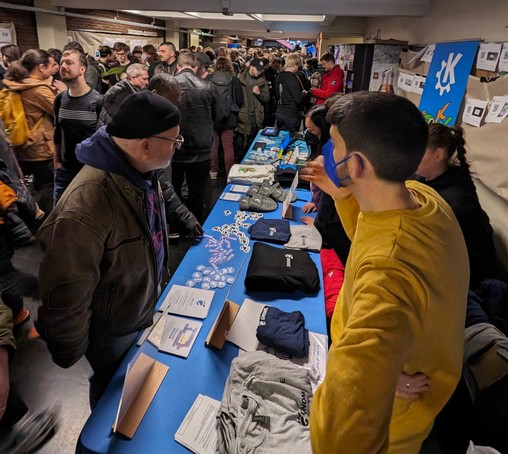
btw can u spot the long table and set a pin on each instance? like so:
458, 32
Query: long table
205, 370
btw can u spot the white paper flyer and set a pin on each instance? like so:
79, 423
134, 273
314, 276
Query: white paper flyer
192, 302
474, 112
198, 430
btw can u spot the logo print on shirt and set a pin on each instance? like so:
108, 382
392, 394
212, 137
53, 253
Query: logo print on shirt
289, 257
303, 412
273, 231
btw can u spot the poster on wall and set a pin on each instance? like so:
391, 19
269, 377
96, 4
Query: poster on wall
386, 57
498, 110
428, 53
418, 84
503, 60
5, 36
405, 81
446, 81
488, 56
474, 112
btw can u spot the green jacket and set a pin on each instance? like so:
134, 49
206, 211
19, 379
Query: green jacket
244, 125
6, 336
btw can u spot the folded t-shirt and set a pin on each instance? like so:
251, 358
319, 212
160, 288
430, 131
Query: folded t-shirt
304, 237
272, 230
279, 270
251, 174
284, 331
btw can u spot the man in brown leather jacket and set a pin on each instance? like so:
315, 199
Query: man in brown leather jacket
105, 243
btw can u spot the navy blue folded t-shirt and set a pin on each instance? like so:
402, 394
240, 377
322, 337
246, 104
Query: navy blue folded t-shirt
284, 331
272, 230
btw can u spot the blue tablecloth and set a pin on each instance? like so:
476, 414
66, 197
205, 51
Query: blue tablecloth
205, 370
269, 151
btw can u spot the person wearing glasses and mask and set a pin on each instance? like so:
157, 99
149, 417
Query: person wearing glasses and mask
105, 244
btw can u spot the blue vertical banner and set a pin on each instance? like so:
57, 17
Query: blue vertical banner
446, 81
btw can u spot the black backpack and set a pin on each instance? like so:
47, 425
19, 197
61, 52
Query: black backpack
225, 100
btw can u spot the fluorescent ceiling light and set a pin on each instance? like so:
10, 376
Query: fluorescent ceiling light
289, 18
170, 14
220, 16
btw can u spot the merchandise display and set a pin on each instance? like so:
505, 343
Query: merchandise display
251, 174
279, 270
284, 331
265, 406
271, 230
219, 263
304, 237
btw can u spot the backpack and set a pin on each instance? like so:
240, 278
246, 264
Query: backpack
13, 117
225, 103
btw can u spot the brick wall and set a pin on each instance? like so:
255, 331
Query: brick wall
24, 21
76, 23
26, 27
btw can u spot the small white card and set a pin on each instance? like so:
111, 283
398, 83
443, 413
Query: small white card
429, 53
286, 212
198, 431
179, 335
240, 188
193, 302
474, 112
488, 56
418, 84
503, 59
243, 331
498, 110
231, 196
405, 81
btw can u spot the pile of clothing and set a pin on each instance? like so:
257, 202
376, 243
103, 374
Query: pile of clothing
265, 407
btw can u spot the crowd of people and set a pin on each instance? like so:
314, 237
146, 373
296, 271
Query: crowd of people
113, 142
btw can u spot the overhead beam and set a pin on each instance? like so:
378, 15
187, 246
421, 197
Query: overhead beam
368, 8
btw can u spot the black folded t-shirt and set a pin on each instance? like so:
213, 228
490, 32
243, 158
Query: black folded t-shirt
281, 270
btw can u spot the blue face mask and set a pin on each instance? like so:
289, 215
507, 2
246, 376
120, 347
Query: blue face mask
340, 171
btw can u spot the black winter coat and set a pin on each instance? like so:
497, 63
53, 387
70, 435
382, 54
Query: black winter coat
197, 109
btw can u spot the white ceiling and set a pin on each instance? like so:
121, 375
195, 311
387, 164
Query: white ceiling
297, 19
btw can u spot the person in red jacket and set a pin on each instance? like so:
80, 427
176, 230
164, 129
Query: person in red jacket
331, 81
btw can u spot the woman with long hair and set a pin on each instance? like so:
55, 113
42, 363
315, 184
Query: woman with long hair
445, 168
230, 92
31, 76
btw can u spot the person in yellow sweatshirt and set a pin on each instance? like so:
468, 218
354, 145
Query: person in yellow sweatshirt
400, 314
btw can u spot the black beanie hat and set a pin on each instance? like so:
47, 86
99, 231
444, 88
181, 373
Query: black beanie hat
143, 114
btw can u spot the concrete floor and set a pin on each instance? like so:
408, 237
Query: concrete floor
41, 382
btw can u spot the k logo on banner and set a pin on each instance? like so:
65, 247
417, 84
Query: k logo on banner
446, 81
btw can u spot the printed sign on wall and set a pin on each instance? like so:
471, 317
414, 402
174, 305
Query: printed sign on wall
446, 81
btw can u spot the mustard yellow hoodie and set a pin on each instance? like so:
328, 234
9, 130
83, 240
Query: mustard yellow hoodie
401, 309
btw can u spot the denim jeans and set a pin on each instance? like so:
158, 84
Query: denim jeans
105, 353
63, 178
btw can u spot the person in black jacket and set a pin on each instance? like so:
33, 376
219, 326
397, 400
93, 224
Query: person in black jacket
230, 97
444, 167
178, 216
290, 93
197, 107
18, 213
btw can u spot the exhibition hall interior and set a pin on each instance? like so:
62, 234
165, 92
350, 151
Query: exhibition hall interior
230, 226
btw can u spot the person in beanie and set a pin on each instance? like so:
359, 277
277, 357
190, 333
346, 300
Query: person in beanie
105, 245
256, 95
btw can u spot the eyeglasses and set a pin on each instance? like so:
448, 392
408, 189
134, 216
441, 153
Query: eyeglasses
178, 141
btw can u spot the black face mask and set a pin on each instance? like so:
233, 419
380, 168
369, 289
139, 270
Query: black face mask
311, 140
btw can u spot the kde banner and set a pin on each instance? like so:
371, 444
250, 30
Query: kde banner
446, 81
